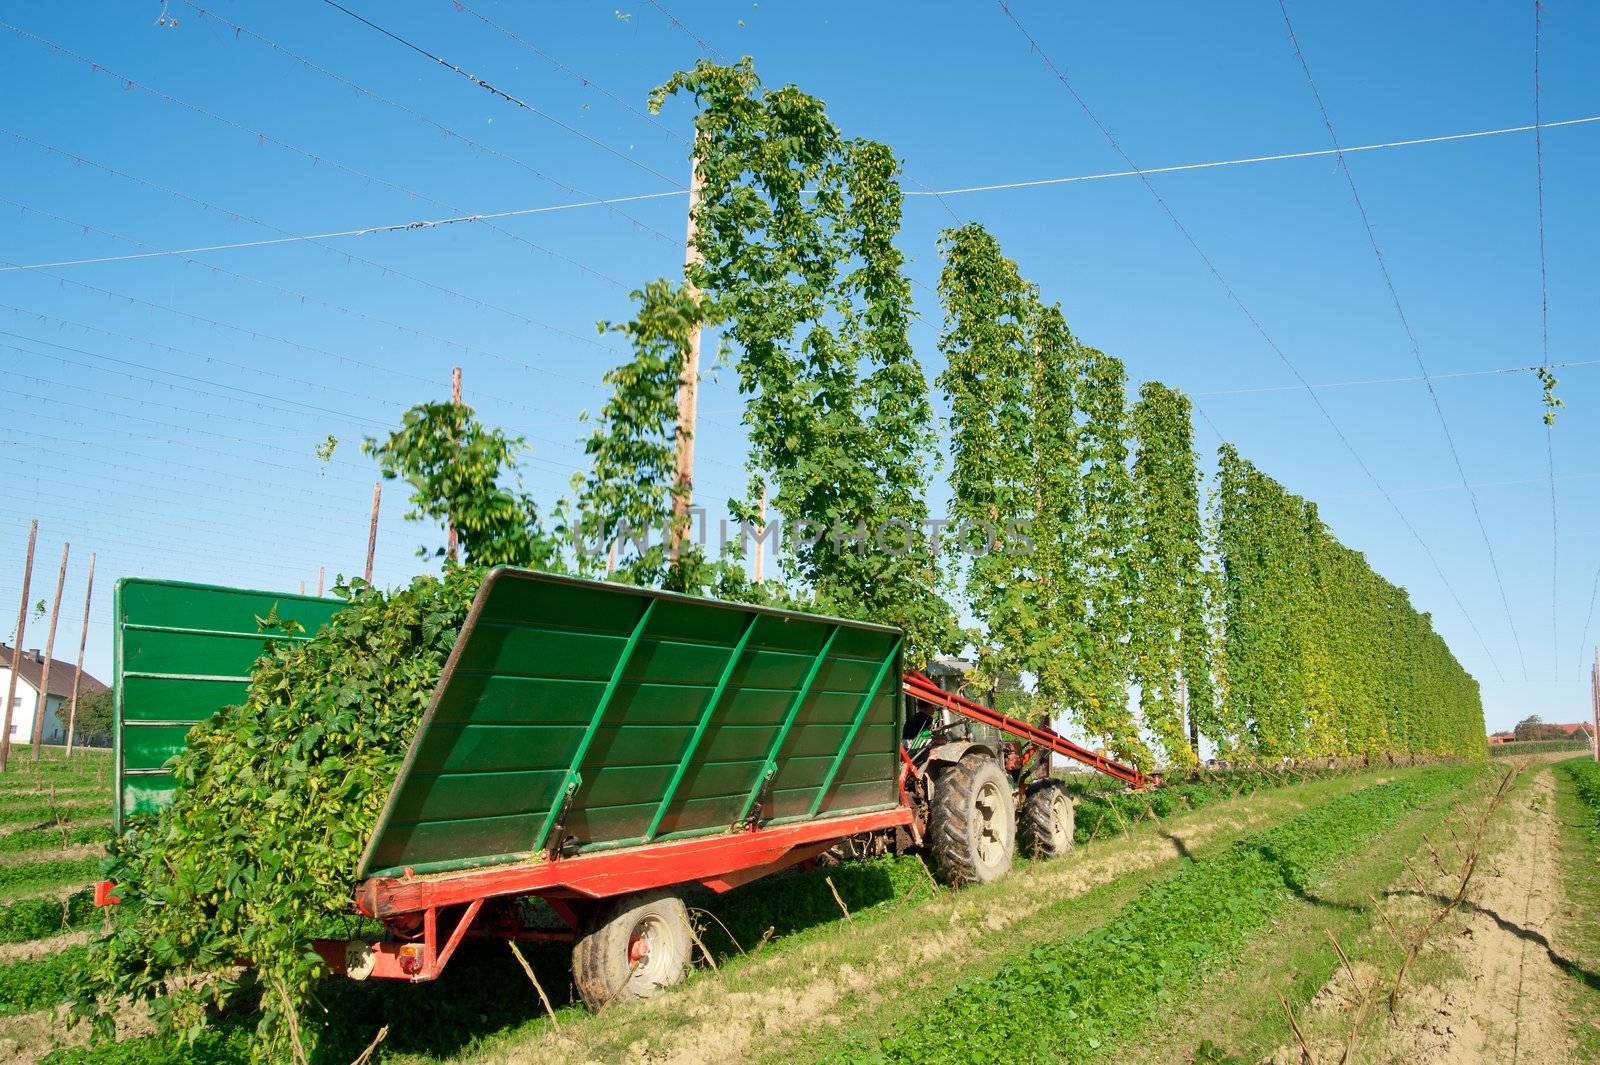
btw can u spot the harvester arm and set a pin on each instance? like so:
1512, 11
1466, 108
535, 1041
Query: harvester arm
918, 686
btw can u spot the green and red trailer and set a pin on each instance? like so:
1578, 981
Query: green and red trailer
601, 748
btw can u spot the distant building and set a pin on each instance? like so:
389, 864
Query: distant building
1580, 731
25, 703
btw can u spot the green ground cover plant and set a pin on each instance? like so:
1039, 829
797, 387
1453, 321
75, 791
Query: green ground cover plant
37, 813
1517, 748
1578, 814
1584, 774
40, 839
1066, 1001
32, 876
40, 982
29, 919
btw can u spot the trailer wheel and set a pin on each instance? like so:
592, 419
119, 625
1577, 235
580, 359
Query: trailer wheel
631, 947
1046, 822
972, 826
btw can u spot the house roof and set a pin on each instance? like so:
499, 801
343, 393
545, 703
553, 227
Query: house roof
1582, 726
61, 673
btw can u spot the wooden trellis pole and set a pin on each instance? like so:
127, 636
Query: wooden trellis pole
83, 641
43, 702
16, 652
688, 383
451, 545
372, 530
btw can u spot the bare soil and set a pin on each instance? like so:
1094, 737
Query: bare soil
1497, 996
1506, 1004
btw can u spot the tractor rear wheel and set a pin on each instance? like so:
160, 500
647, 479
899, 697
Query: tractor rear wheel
1046, 822
972, 826
631, 947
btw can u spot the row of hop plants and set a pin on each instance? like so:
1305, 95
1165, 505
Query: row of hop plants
799, 275
1245, 622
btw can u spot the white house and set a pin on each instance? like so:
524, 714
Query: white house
26, 702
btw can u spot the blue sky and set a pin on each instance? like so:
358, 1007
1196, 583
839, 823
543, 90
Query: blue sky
193, 457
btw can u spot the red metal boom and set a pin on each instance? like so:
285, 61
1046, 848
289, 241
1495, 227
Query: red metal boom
918, 686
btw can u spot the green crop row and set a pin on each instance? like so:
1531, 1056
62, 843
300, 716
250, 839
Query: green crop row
212, 1045
32, 876
1585, 776
1102, 814
1516, 747
45, 813
29, 919
39, 983
42, 839
1067, 1001
77, 792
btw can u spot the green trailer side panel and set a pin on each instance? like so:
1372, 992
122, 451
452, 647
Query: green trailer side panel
184, 651
529, 672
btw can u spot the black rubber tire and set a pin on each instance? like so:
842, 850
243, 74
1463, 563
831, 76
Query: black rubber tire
1047, 820
605, 967
972, 826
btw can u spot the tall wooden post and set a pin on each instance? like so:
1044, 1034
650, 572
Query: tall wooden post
688, 381
451, 547
16, 652
83, 641
43, 702
372, 530
761, 533
1594, 700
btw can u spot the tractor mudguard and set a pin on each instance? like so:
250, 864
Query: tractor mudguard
953, 752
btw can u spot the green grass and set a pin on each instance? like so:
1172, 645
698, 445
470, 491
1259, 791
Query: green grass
1521, 747
44, 813
32, 797
36, 876
30, 919
1070, 1000
39, 983
1577, 809
44, 839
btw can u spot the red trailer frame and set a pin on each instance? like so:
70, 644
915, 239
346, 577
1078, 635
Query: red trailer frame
411, 906
474, 903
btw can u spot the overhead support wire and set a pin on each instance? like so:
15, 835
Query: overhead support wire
302, 297
704, 45
263, 137
1411, 336
586, 82
1255, 323
364, 231
506, 96
1495, 372
427, 120
1248, 160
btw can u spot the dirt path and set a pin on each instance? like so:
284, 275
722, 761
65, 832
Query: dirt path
53, 854
1504, 1003
39, 948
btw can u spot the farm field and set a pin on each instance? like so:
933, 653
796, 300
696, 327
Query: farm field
55, 818
1166, 938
